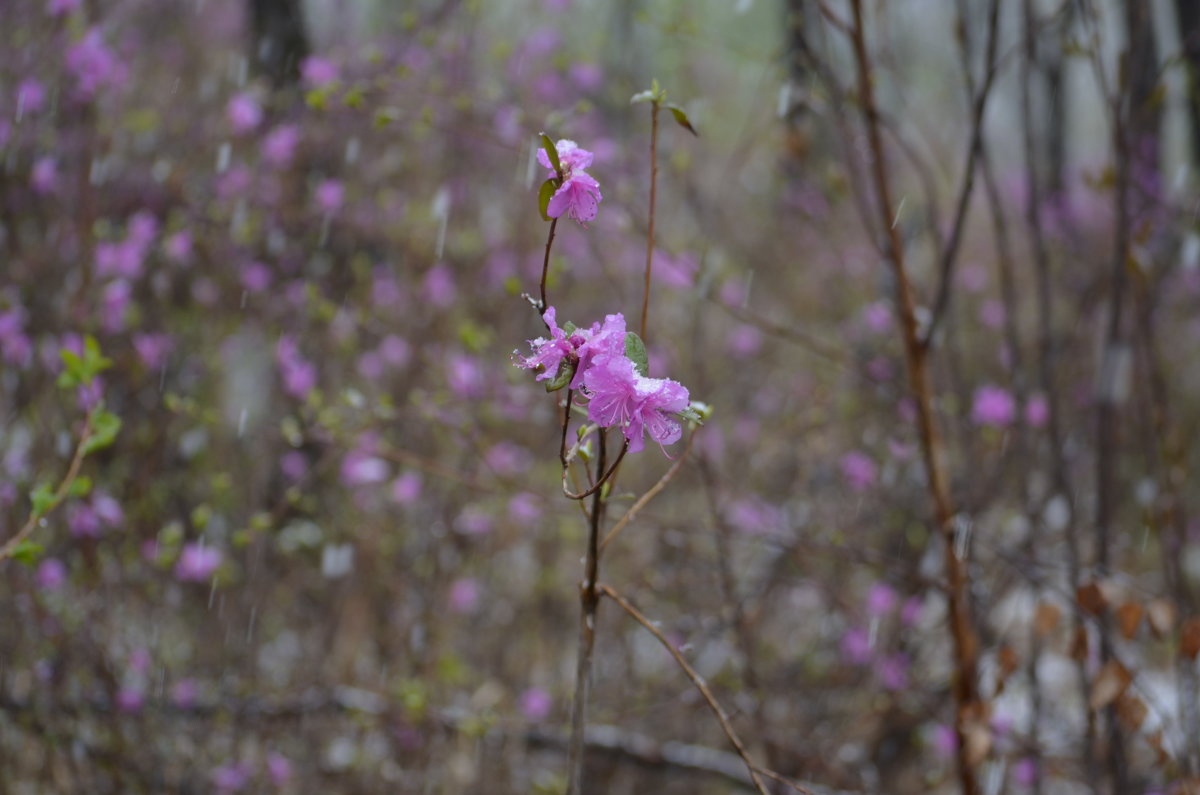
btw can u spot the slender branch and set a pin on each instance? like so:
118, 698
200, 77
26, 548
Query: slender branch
755, 774
589, 600
543, 305
961, 628
605, 478
653, 193
650, 494
60, 493
974, 148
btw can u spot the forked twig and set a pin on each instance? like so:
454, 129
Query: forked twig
650, 494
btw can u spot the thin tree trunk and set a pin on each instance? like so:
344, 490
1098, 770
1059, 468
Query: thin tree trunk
279, 40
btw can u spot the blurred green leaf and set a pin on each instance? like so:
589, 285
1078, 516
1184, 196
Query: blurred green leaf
545, 194
80, 486
105, 426
681, 118
551, 152
27, 552
635, 349
43, 500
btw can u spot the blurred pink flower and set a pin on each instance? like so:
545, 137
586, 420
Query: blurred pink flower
93, 64
944, 740
231, 777
745, 341
130, 699
31, 96
406, 489
893, 671
244, 113
439, 288
60, 7
299, 376
859, 470
51, 574
586, 76
279, 768
317, 71
464, 595
395, 350
524, 508
178, 247
1025, 772
911, 612
993, 406
1037, 410
329, 196
507, 458
878, 317
293, 465
184, 692
856, 646
536, 704
473, 521
279, 146
991, 314
44, 177
153, 349
256, 277
197, 563
881, 599
973, 278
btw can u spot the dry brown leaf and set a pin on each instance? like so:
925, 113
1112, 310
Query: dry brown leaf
1160, 614
1109, 685
1091, 598
1045, 620
1156, 742
1131, 711
1129, 616
1189, 638
1079, 644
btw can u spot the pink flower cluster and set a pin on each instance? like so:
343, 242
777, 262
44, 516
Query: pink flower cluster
597, 365
579, 194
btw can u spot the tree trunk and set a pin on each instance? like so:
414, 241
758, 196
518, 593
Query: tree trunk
279, 41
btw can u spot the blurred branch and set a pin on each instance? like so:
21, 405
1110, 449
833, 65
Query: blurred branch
650, 494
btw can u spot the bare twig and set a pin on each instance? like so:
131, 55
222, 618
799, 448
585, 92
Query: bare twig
650, 494
961, 628
755, 774
654, 106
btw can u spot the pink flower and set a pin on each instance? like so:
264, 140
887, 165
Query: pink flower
878, 317
179, 247
619, 397
548, 354
945, 740
524, 508
44, 178
439, 287
93, 64
183, 693
153, 349
60, 7
1037, 411
858, 470
535, 704
31, 97
881, 599
329, 196
993, 406
464, 595
197, 563
299, 375
406, 489
256, 277
317, 71
279, 768
51, 574
893, 671
856, 646
279, 147
244, 113
130, 699
231, 778
578, 196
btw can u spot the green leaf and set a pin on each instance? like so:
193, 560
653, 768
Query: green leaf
566, 371
642, 96
80, 486
681, 118
27, 552
551, 152
545, 194
385, 116
105, 425
635, 349
569, 328
43, 500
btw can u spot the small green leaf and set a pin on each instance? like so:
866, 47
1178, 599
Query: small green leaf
386, 116
27, 552
43, 500
642, 96
566, 371
355, 97
80, 486
569, 328
545, 194
681, 118
105, 425
551, 152
635, 349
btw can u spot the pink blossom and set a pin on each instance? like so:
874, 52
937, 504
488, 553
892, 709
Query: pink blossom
130, 699
578, 196
878, 317
279, 768
51, 574
548, 354
536, 704
44, 177
464, 595
858, 470
1025, 772
153, 349
993, 406
244, 113
911, 612
439, 287
881, 599
317, 71
395, 350
31, 96
945, 740
299, 376
406, 489
293, 465
524, 508
184, 692
507, 458
329, 196
473, 521
745, 341
197, 563
856, 646
61, 7
93, 64
1037, 411
256, 277
178, 247
279, 147
586, 76
231, 777
893, 671
619, 397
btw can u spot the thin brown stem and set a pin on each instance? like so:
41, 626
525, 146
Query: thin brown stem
589, 600
722, 717
605, 478
653, 195
543, 305
60, 493
916, 357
